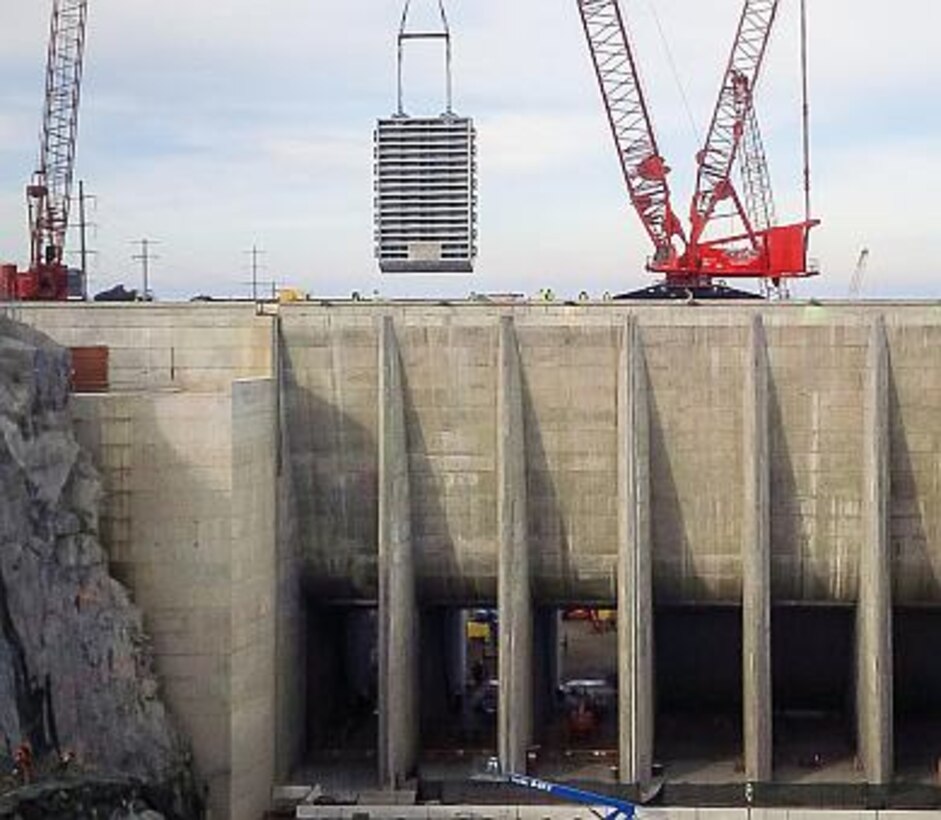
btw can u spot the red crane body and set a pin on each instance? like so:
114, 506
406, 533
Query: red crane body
762, 249
50, 191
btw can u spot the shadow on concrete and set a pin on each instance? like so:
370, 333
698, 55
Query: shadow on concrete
327, 578
917, 694
698, 668
342, 683
673, 565
431, 532
812, 646
813, 666
331, 466
917, 621
451, 717
786, 572
551, 568
697, 649
550, 551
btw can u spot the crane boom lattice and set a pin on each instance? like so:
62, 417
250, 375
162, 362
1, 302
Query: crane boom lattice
645, 171
756, 178
51, 189
761, 248
730, 119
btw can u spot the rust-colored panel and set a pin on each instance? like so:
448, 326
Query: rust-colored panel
7, 282
90, 369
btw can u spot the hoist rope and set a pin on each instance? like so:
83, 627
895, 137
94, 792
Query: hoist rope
675, 70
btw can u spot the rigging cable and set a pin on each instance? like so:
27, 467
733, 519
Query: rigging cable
675, 70
805, 91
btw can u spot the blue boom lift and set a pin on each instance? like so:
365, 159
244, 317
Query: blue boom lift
615, 809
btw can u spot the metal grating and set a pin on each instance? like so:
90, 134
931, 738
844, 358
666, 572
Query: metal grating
426, 194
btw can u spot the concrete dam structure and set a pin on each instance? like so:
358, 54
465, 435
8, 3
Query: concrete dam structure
755, 488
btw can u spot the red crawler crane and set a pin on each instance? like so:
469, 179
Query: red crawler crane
762, 250
49, 193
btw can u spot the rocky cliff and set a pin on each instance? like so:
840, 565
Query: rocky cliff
76, 675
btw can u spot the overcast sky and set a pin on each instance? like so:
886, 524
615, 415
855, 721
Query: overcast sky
211, 125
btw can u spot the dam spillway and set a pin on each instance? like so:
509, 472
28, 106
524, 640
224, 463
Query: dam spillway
761, 480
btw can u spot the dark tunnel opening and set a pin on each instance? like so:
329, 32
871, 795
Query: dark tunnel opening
458, 703
813, 673
342, 723
917, 692
698, 696
575, 686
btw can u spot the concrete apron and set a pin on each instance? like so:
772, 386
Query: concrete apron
469, 812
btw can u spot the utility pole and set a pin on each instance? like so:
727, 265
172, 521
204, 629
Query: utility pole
255, 253
145, 257
83, 226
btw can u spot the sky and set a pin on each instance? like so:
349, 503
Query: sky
209, 127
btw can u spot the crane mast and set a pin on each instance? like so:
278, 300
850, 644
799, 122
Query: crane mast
50, 191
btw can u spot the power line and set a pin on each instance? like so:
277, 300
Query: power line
675, 69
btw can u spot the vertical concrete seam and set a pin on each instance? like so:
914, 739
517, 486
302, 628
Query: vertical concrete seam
514, 588
398, 608
756, 563
635, 580
874, 609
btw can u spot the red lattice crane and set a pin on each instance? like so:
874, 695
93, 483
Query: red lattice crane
761, 249
50, 190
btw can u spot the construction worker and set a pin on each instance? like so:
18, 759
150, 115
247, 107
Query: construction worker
23, 763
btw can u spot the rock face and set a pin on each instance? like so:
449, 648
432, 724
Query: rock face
75, 669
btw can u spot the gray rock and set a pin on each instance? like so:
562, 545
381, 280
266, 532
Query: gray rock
75, 669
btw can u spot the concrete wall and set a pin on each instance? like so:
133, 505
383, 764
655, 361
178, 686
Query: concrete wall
696, 360
195, 346
851, 484
189, 523
253, 596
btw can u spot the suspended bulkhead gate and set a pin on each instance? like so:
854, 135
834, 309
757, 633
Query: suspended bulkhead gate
425, 179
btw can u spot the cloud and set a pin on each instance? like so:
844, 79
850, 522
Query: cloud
213, 125
538, 142
325, 154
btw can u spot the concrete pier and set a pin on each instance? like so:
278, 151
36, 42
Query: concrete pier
514, 593
634, 576
756, 562
398, 605
874, 611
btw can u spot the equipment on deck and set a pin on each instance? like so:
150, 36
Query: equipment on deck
614, 808
49, 192
690, 259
